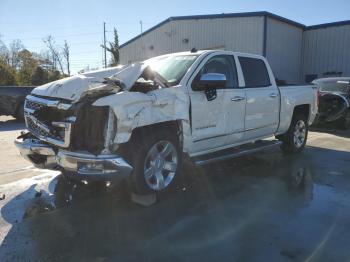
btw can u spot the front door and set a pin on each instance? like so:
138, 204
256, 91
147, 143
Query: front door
214, 122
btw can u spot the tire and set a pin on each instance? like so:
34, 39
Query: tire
294, 140
156, 158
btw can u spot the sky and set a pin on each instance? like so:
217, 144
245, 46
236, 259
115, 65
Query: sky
80, 22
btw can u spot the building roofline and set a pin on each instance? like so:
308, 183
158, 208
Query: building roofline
232, 15
213, 16
340, 23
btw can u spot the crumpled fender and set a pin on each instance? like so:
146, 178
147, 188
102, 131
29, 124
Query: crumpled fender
329, 114
134, 109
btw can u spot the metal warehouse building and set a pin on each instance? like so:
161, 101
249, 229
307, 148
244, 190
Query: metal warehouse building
297, 53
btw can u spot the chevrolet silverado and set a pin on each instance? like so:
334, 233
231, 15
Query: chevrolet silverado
139, 121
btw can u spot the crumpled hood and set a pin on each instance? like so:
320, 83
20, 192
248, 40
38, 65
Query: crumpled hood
75, 87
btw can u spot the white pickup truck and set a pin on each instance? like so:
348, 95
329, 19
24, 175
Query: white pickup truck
139, 121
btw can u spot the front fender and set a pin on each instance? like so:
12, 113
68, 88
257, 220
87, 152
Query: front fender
135, 109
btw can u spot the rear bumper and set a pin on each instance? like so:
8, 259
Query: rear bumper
81, 166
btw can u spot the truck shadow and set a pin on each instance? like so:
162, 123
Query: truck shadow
226, 209
332, 131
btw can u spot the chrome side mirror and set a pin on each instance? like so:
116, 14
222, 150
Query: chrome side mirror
209, 83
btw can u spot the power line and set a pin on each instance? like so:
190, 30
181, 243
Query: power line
61, 36
50, 28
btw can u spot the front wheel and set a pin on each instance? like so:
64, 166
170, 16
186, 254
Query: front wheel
294, 140
156, 160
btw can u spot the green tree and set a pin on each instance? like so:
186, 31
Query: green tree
114, 49
27, 65
7, 75
53, 75
39, 76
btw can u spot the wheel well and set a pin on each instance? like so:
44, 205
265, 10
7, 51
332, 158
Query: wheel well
142, 132
302, 109
173, 126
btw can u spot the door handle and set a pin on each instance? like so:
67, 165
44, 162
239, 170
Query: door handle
237, 98
273, 95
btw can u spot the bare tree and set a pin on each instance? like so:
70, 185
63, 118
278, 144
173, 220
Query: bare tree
56, 56
66, 55
15, 47
4, 53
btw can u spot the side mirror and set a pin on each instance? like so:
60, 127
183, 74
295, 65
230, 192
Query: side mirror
211, 80
209, 83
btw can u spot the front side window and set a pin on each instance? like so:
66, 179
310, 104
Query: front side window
221, 64
255, 72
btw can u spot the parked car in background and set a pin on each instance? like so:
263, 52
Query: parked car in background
141, 121
334, 104
12, 100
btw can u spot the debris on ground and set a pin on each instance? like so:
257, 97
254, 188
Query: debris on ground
3, 197
36, 208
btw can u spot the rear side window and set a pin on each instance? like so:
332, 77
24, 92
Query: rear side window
255, 72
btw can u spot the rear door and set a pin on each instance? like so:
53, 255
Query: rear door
262, 106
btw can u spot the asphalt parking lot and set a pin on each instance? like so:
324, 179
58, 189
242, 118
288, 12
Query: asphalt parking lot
267, 207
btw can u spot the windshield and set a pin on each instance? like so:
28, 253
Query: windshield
172, 68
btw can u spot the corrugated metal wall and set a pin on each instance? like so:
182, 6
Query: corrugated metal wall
326, 50
241, 34
284, 50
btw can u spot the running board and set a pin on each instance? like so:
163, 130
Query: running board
235, 152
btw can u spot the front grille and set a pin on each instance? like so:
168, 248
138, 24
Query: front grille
38, 113
32, 105
35, 129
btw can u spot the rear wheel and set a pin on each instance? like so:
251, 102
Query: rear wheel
295, 139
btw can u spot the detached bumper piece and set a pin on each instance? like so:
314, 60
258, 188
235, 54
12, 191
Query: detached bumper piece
80, 166
41, 155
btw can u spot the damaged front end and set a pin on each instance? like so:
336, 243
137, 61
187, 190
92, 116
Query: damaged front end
71, 136
78, 124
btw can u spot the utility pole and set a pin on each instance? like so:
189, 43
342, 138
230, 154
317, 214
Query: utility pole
102, 53
141, 38
104, 43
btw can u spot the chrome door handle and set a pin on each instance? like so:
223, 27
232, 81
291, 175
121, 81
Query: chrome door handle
237, 98
273, 95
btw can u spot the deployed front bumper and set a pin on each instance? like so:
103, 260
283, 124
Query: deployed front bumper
82, 166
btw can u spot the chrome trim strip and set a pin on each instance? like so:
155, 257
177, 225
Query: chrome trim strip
61, 143
50, 103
